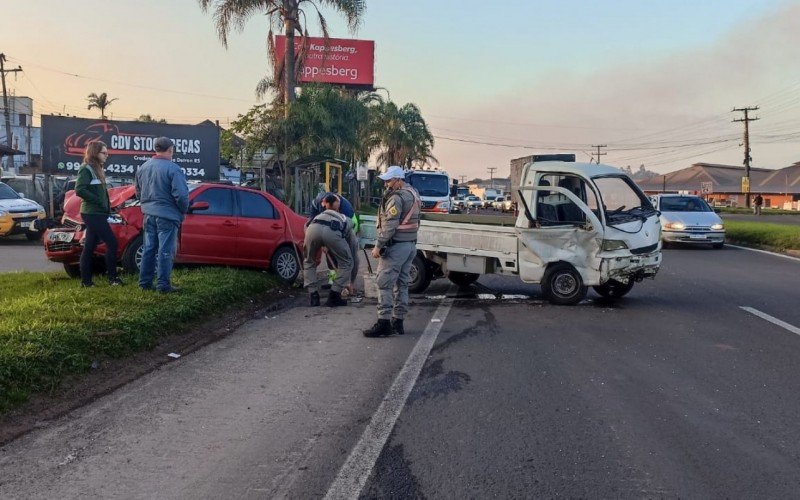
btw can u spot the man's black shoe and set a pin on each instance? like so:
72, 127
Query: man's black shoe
313, 299
380, 329
87, 285
335, 300
171, 289
397, 326
116, 282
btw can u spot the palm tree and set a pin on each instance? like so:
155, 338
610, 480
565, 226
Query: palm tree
100, 102
231, 14
402, 135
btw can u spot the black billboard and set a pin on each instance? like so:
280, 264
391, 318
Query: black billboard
130, 144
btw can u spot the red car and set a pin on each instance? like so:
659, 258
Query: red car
226, 225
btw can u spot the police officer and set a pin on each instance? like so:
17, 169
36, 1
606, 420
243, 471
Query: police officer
346, 208
334, 231
398, 223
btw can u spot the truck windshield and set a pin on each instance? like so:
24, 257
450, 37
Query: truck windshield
622, 200
6, 193
430, 184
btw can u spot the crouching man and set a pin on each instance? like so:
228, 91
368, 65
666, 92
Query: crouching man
334, 231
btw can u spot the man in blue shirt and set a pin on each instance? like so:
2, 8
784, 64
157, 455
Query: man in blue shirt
164, 198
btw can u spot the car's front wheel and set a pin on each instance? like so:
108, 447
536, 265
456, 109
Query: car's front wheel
286, 264
72, 270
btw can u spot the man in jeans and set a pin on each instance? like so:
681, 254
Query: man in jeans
164, 198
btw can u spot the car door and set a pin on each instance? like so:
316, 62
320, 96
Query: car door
209, 236
558, 224
261, 228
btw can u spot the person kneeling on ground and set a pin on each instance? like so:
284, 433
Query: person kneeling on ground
334, 231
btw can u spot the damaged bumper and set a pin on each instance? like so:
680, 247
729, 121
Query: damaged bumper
632, 267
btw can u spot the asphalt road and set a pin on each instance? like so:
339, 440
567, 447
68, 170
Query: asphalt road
676, 391
19, 254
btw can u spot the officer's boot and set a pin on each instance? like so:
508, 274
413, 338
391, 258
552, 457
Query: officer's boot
380, 329
313, 299
335, 299
397, 326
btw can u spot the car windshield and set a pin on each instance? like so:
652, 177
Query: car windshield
684, 204
622, 200
430, 184
6, 193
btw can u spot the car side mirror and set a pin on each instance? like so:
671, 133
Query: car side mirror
21, 195
199, 205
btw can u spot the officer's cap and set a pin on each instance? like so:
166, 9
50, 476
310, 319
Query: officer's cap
393, 172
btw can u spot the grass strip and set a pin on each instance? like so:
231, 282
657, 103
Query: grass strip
50, 327
763, 234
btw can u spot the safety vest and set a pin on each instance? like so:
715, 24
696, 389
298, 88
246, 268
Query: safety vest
410, 221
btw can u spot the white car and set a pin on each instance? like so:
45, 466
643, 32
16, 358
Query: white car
688, 219
502, 203
473, 201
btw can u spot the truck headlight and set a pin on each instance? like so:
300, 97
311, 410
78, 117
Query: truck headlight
609, 245
717, 227
675, 225
444, 205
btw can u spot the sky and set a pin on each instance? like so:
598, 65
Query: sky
655, 81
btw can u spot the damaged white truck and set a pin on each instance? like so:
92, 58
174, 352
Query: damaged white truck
578, 225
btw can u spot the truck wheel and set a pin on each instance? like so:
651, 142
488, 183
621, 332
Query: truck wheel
420, 275
562, 285
285, 264
613, 289
462, 280
132, 256
72, 270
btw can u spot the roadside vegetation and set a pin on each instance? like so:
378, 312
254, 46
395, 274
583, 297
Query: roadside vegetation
51, 328
749, 211
763, 235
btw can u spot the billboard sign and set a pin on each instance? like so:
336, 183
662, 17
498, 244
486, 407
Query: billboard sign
130, 144
335, 60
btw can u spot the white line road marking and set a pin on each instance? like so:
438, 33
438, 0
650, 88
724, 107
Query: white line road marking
764, 251
771, 319
356, 469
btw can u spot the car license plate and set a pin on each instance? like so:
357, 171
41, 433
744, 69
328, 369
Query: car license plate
26, 224
65, 237
697, 236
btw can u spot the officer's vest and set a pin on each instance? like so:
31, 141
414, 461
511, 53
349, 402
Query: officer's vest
334, 220
409, 218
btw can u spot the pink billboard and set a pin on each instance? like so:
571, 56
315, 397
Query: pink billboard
335, 60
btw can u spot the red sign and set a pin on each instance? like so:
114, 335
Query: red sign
335, 60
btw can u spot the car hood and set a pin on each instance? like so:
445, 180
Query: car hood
116, 196
691, 218
19, 204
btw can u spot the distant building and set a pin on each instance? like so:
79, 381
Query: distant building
24, 136
722, 184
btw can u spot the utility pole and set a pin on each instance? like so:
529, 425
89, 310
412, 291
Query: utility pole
491, 175
461, 179
747, 157
3, 72
599, 154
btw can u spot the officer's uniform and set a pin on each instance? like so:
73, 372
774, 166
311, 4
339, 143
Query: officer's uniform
334, 231
398, 223
346, 208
